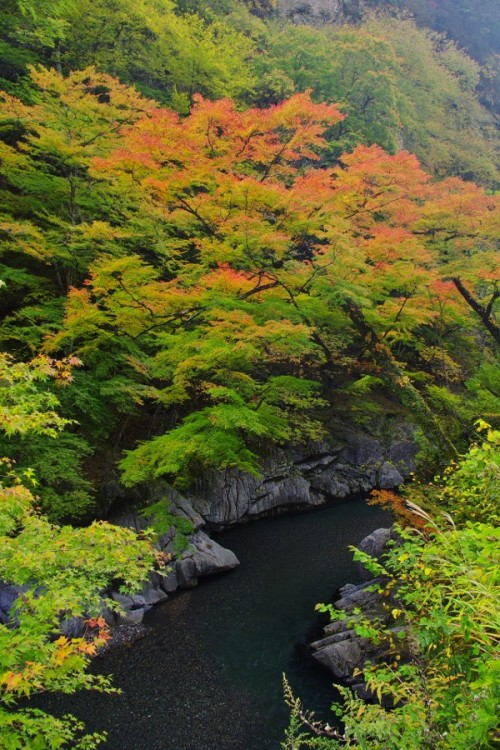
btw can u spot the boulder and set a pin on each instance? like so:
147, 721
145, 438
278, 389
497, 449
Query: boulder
133, 608
131, 617
340, 648
170, 582
203, 557
153, 591
186, 573
73, 627
342, 658
8, 595
364, 596
402, 454
389, 477
210, 557
373, 545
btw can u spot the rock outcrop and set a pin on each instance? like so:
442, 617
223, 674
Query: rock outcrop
348, 465
340, 648
352, 464
203, 556
356, 463
319, 12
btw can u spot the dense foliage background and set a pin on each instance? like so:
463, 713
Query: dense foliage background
223, 231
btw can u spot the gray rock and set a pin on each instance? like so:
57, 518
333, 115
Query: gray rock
131, 617
152, 591
340, 649
170, 582
283, 493
186, 573
335, 638
363, 451
342, 658
178, 504
209, 557
402, 454
389, 477
353, 463
373, 545
73, 627
8, 595
332, 482
154, 492
132, 601
364, 596
333, 627
166, 542
109, 615
133, 608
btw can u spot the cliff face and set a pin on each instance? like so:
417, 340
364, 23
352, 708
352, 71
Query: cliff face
318, 12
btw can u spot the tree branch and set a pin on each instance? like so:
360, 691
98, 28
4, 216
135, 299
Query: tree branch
483, 312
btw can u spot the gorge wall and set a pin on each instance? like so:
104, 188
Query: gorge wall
350, 463
317, 12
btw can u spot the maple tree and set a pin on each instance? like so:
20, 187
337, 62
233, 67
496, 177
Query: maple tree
54, 221
219, 280
163, 52
263, 265
227, 265
461, 224
62, 572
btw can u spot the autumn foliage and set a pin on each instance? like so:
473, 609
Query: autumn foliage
215, 266
236, 265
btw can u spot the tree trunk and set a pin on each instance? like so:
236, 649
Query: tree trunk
483, 312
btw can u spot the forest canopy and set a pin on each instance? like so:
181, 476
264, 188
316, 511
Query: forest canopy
221, 234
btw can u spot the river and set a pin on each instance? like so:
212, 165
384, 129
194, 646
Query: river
209, 675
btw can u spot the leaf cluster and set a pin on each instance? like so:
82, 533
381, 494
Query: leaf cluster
62, 573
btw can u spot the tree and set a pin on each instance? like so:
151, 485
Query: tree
255, 244
31, 31
166, 54
187, 320
54, 221
460, 222
237, 279
62, 571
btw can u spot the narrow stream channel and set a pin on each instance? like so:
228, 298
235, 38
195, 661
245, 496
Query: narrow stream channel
208, 677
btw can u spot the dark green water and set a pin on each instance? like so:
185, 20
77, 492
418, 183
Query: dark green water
209, 675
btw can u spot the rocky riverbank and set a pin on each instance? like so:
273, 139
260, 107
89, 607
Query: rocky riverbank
349, 464
340, 649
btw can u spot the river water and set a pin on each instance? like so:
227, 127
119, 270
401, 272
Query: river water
209, 676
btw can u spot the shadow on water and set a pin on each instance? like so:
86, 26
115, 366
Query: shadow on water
208, 677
